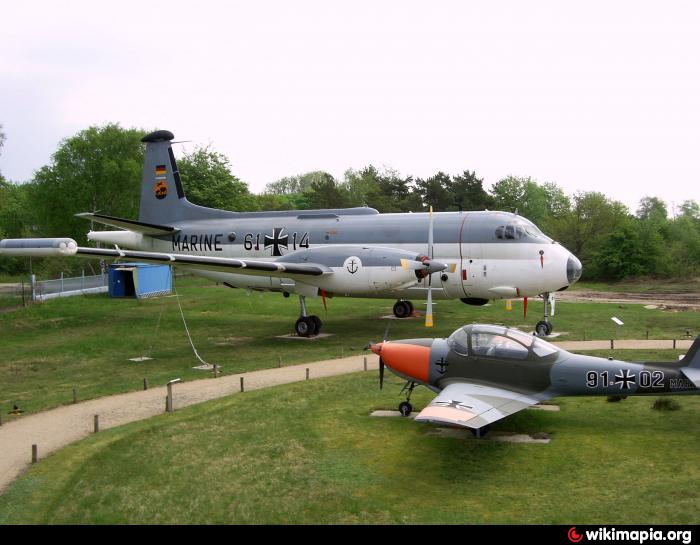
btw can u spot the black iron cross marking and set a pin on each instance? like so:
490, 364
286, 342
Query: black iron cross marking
276, 240
442, 364
624, 378
454, 405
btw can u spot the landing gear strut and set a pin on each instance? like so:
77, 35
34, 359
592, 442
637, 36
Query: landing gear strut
307, 326
405, 407
480, 432
544, 327
403, 309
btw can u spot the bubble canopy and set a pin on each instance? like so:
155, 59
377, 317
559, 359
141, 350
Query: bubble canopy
498, 342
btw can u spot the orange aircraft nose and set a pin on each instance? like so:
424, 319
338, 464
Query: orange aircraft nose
411, 360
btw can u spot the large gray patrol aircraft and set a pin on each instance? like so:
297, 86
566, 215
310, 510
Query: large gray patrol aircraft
483, 373
354, 252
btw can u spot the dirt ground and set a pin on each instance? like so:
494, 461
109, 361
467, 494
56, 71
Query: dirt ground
664, 301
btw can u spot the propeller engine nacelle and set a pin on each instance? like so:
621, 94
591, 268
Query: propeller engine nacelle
362, 269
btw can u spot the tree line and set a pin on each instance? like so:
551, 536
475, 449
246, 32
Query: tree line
99, 170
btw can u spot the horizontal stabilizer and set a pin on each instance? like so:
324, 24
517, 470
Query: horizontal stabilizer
130, 225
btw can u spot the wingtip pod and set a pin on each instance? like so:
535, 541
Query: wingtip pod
38, 247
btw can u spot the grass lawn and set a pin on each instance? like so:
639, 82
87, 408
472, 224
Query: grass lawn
86, 341
309, 453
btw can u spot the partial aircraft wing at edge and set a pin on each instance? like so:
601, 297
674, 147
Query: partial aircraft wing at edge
474, 406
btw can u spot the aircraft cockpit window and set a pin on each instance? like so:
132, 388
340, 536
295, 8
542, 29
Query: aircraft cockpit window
497, 346
543, 348
520, 229
458, 341
512, 231
524, 338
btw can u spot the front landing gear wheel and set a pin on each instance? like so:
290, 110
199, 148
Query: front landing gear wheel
480, 432
405, 408
543, 328
403, 309
305, 326
317, 324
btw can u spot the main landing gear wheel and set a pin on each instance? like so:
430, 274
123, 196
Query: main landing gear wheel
405, 408
543, 328
308, 326
403, 309
480, 432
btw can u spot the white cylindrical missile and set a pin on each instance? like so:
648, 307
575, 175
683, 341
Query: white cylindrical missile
38, 247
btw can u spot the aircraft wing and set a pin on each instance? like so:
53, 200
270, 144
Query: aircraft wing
68, 247
474, 406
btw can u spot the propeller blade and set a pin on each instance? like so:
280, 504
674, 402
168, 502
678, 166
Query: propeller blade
386, 333
381, 374
430, 234
524, 308
323, 298
429, 310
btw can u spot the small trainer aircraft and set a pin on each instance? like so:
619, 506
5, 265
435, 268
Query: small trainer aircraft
483, 373
352, 252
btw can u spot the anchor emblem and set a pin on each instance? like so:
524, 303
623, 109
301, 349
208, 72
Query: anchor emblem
352, 267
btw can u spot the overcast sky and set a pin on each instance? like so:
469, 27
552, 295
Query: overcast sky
591, 95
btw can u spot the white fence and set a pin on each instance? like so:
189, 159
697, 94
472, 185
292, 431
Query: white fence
66, 287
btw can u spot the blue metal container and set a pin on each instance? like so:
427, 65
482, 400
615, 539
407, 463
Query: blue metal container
139, 280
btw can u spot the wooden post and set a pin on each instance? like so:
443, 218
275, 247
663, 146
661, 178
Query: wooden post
612, 344
97, 423
145, 383
35, 454
279, 361
170, 398
647, 334
0, 418
75, 395
307, 373
242, 388
674, 344
584, 335
342, 352
216, 370
365, 363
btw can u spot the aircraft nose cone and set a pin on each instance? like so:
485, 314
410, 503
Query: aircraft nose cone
411, 360
573, 269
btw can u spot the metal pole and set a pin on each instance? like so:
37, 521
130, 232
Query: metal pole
82, 281
61, 281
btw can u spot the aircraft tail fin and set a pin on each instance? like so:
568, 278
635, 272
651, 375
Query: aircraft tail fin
161, 188
692, 357
690, 364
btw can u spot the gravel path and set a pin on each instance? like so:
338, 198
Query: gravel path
56, 428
